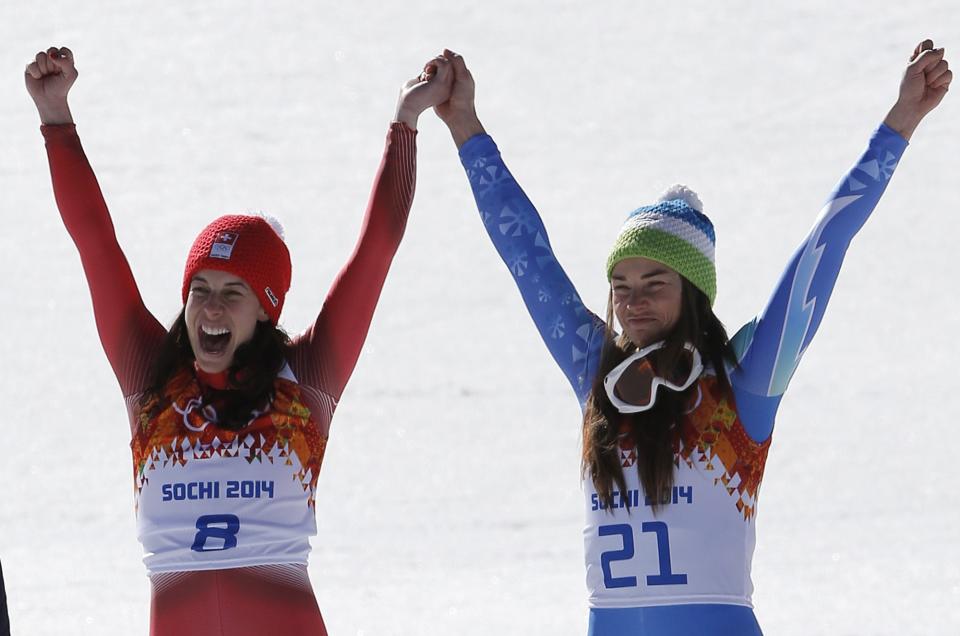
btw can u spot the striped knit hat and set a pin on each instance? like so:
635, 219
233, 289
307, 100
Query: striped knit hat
674, 231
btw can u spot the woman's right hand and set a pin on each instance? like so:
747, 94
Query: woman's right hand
49, 78
459, 112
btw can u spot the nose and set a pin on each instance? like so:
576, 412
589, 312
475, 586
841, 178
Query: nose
637, 299
213, 305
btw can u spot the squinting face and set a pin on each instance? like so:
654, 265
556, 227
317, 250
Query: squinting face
221, 314
647, 299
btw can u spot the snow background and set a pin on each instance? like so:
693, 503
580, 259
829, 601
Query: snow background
450, 500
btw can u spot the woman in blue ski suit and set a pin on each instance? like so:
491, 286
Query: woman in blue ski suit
677, 417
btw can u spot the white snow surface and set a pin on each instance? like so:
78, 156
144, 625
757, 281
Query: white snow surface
450, 500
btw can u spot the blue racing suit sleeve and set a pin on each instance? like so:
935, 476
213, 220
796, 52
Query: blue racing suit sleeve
769, 348
571, 332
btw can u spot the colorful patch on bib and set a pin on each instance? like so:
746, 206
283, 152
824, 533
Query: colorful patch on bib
186, 430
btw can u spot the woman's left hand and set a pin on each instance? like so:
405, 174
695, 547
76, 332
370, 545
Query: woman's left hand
430, 88
924, 85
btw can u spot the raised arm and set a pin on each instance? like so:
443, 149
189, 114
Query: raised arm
128, 332
572, 334
769, 348
325, 355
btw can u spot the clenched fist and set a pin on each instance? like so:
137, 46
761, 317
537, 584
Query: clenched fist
49, 78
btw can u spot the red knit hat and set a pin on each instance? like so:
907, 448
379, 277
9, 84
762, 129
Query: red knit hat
248, 247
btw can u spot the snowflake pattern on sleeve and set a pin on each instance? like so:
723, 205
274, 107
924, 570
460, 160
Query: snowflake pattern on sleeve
572, 333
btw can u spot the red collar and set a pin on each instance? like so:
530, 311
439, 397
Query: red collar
213, 380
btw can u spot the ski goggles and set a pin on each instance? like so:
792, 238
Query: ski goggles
642, 379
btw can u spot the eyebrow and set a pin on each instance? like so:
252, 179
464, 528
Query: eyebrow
237, 283
656, 272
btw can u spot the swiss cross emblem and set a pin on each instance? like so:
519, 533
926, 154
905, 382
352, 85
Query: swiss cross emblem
223, 246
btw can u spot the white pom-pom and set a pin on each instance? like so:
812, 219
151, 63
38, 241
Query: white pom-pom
685, 194
274, 223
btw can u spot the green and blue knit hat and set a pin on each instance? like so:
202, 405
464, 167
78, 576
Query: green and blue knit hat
674, 231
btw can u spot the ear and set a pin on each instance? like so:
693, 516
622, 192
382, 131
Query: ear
262, 315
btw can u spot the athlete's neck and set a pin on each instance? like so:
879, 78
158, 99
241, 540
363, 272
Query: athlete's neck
216, 380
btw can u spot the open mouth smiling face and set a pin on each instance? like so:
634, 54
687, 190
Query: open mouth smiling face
221, 314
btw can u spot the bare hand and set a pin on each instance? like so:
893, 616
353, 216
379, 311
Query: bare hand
430, 88
924, 85
459, 112
49, 78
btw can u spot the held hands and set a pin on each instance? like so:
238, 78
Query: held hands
459, 112
49, 78
924, 85
420, 93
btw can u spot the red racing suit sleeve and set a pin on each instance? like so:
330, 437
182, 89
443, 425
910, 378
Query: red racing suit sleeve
325, 355
128, 332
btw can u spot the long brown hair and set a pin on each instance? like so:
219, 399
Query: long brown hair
655, 432
250, 377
